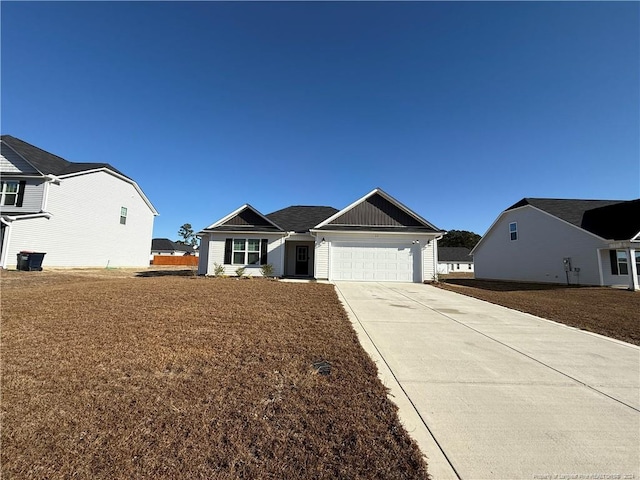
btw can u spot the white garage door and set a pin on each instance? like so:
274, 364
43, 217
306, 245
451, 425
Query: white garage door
386, 263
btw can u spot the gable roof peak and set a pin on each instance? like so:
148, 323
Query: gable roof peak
387, 215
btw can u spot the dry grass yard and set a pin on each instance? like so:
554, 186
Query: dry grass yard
109, 375
611, 312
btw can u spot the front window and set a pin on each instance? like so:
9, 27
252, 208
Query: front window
123, 215
621, 258
513, 231
246, 251
9, 193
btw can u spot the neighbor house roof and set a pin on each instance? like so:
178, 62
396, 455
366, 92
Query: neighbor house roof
609, 219
454, 254
300, 218
48, 163
164, 244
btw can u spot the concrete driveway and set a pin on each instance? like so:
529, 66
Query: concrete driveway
490, 392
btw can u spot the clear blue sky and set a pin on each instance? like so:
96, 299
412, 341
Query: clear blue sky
456, 109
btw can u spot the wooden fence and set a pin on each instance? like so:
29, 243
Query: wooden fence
190, 260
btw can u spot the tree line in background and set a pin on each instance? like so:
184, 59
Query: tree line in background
459, 238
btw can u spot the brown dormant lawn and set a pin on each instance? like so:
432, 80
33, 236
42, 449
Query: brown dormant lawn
607, 311
114, 376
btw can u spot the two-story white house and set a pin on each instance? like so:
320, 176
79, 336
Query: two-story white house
79, 214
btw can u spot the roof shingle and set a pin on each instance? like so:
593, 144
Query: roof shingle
609, 219
48, 163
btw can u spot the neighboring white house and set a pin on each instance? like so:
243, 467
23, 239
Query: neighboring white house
454, 260
585, 242
376, 238
79, 214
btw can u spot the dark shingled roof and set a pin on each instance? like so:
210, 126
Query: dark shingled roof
454, 254
162, 244
609, 219
168, 245
48, 163
300, 218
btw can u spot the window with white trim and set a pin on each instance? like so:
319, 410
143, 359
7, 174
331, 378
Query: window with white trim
9, 193
513, 231
246, 251
620, 262
123, 215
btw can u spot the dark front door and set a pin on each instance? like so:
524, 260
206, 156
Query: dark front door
302, 260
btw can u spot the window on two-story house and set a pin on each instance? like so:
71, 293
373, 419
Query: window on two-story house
513, 231
11, 193
123, 215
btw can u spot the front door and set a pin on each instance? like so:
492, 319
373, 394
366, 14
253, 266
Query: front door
302, 260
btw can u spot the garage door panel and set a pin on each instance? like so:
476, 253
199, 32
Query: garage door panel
372, 262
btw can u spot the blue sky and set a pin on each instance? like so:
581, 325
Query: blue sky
456, 109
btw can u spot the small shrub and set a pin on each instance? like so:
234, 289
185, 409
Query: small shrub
267, 270
218, 270
240, 271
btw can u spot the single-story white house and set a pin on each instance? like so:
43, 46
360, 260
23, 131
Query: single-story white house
376, 238
577, 242
78, 214
454, 260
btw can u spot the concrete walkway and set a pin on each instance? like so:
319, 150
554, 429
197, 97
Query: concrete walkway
491, 393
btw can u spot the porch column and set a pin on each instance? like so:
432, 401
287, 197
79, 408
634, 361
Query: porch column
633, 270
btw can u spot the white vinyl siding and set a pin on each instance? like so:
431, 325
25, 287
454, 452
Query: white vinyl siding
84, 228
543, 242
321, 259
215, 253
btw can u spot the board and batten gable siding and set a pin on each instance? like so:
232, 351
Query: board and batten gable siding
378, 211
84, 229
536, 256
215, 254
11, 162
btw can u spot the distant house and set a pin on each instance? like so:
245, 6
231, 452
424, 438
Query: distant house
164, 246
454, 260
79, 214
586, 242
376, 238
